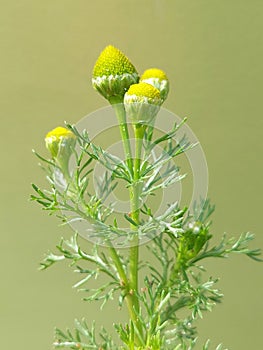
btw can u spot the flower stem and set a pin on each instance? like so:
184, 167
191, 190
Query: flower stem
121, 116
132, 282
118, 264
135, 205
135, 213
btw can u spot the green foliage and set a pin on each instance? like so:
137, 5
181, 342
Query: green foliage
83, 338
99, 263
175, 291
167, 288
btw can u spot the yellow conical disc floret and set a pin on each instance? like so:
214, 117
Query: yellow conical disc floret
144, 90
112, 62
59, 132
158, 79
113, 74
154, 73
60, 142
142, 102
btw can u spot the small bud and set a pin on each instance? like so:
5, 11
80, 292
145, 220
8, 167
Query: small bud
157, 78
142, 102
60, 142
195, 227
113, 74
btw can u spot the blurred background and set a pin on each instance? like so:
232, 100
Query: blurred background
212, 54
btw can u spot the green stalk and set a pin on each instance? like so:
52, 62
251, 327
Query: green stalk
135, 205
135, 213
131, 283
124, 281
121, 116
118, 264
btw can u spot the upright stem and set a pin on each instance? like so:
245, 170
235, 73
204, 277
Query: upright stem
131, 282
135, 207
135, 213
124, 281
121, 116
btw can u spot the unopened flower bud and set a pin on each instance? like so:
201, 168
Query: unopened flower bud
113, 74
158, 79
142, 102
195, 227
60, 142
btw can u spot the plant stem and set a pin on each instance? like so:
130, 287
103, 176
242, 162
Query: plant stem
124, 282
135, 213
131, 283
135, 205
118, 265
121, 116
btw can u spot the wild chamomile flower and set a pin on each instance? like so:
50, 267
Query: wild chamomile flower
142, 102
113, 74
158, 79
181, 242
60, 142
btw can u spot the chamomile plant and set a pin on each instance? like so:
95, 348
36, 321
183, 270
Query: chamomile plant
165, 291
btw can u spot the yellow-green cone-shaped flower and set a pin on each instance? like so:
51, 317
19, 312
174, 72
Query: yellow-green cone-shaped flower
113, 74
158, 79
142, 102
60, 142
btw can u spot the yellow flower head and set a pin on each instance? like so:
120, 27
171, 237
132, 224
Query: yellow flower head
112, 62
113, 73
154, 73
60, 142
142, 102
57, 133
158, 79
144, 90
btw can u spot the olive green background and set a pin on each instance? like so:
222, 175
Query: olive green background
212, 52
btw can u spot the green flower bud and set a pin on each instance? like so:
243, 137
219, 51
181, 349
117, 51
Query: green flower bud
195, 237
142, 102
113, 74
60, 142
157, 78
